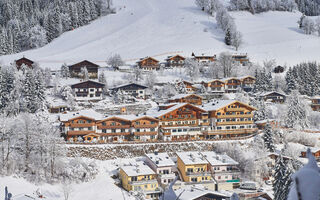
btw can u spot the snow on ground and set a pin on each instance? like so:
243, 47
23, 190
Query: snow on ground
101, 188
161, 28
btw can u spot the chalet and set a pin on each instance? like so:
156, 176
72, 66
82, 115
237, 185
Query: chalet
175, 61
315, 103
262, 123
247, 83
75, 69
204, 59
148, 64
140, 178
163, 166
114, 129
189, 87
224, 169
229, 118
275, 97
315, 152
132, 89
80, 125
186, 98
88, 90
232, 85
241, 58
144, 128
194, 169
181, 122
24, 61
215, 86
58, 107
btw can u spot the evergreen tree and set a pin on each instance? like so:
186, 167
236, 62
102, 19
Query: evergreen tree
279, 178
65, 73
290, 81
227, 38
296, 116
268, 137
28, 101
39, 88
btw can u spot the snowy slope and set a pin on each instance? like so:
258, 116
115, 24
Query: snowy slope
159, 28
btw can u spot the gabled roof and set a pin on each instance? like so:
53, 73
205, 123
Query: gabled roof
230, 78
84, 62
24, 59
171, 57
248, 76
213, 106
179, 96
87, 84
146, 58
216, 80
218, 159
173, 108
272, 92
90, 114
130, 86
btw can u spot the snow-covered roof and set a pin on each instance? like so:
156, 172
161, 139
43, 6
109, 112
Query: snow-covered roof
130, 86
265, 121
215, 105
218, 159
267, 93
198, 85
179, 96
160, 159
137, 169
191, 192
229, 78
90, 113
56, 102
159, 113
192, 157
312, 149
128, 117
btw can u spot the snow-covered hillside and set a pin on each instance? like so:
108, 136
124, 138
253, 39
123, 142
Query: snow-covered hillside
159, 28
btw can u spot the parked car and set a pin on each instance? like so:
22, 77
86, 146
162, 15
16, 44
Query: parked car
248, 186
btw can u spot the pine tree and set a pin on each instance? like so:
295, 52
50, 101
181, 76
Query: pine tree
65, 73
287, 183
39, 87
296, 116
290, 81
279, 178
28, 103
268, 137
227, 38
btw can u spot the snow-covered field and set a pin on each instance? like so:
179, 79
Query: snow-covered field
160, 28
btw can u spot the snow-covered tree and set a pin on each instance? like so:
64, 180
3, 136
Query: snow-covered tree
236, 40
115, 61
268, 138
64, 71
226, 63
191, 68
102, 79
261, 113
296, 115
137, 74
279, 176
85, 73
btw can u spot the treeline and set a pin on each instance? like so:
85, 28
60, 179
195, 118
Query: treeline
305, 78
31, 24
309, 26
308, 7
214, 7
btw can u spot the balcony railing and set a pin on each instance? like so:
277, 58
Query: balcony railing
234, 171
235, 116
234, 122
234, 109
237, 131
143, 181
198, 173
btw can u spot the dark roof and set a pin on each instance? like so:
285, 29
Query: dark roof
88, 84
131, 86
146, 58
25, 61
84, 63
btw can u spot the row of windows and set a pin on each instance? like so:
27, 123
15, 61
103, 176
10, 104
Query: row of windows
126, 130
234, 119
179, 116
185, 130
81, 129
234, 113
81, 121
234, 127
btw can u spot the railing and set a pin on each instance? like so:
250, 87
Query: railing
76, 125
225, 132
143, 181
112, 127
235, 116
198, 173
72, 133
234, 109
234, 122
235, 171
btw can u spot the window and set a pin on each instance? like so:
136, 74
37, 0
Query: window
138, 130
104, 130
227, 127
113, 124
219, 128
113, 130
91, 90
137, 123
194, 180
91, 95
152, 129
152, 122
218, 113
174, 130
103, 123
89, 128
134, 178
123, 130
189, 169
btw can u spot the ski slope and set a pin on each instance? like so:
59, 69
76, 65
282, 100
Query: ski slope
161, 28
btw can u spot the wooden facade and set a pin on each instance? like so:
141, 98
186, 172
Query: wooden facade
175, 61
204, 59
216, 86
315, 103
232, 85
191, 98
241, 58
132, 89
88, 90
24, 61
274, 97
315, 152
148, 64
114, 129
75, 70
145, 129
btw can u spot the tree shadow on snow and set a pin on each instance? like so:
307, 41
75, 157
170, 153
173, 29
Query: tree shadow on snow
215, 31
194, 10
296, 30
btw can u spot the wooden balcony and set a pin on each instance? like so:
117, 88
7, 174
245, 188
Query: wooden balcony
235, 109
180, 125
232, 131
235, 116
178, 119
145, 133
112, 127
145, 126
72, 133
77, 125
115, 134
234, 122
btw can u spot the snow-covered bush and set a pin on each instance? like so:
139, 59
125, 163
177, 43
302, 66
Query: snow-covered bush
306, 139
